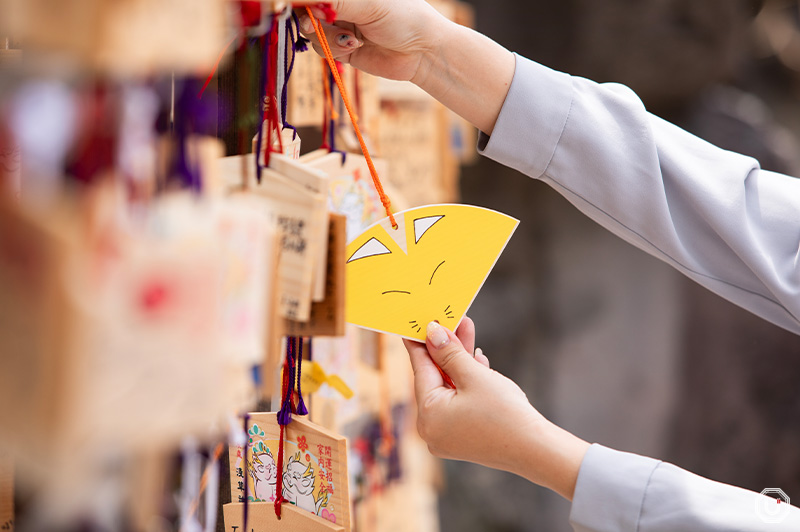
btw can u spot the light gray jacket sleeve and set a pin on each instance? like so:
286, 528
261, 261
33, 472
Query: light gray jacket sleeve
618, 491
712, 214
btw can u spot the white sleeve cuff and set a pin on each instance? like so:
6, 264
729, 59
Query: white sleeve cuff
610, 490
536, 108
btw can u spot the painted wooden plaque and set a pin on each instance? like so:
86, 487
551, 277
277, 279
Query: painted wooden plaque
314, 469
261, 518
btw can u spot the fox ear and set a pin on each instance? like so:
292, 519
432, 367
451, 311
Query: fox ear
371, 248
421, 226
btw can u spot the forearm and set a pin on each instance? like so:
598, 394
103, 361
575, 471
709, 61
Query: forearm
467, 72
549, 456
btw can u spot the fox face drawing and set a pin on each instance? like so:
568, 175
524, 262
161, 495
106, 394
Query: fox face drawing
430, 268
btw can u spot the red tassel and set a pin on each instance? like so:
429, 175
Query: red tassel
279, 483
251, 12
328, 11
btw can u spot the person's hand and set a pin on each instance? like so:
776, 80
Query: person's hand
387, 38
409, 40
466, 335
487, 419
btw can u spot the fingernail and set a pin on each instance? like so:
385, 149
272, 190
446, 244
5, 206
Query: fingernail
437, 335
478, 351
305, 24
345, 40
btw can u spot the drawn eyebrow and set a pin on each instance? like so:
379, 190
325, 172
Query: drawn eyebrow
396, 292
434, 272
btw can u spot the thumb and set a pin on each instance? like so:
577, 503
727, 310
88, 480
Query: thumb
449, 354
355, 11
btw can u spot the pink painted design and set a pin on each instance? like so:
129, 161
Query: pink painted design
330, 516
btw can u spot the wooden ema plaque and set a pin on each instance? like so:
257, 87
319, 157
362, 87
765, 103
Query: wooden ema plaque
134, 37
261, 518
327, 316
302, 220
406, 127
35, 318
305, 91
315, 481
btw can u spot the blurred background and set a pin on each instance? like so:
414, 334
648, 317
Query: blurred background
607, 341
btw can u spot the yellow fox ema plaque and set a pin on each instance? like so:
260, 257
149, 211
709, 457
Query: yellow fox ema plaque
430, 268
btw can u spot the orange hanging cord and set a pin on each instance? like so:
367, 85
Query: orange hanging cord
332, 64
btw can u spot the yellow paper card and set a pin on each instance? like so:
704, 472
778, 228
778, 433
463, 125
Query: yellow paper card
430, 268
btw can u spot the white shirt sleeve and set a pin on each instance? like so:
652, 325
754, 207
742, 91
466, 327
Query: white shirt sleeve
619, 492
712, 214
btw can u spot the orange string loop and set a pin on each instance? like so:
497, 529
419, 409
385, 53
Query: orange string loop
323, 41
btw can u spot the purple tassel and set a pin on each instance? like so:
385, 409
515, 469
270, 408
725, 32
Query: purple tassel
246, 458
292, 376
301, 406
288, 67
285, 413
262, 95
301, 45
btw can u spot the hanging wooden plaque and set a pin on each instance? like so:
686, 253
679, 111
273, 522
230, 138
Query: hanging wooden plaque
261, 518
305, 91
301, 219
327, 316
413, 127
316, 182
134, 37
314, 473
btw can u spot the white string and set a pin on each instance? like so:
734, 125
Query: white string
281, 74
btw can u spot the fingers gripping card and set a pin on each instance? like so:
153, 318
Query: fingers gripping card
314, 475
430, 268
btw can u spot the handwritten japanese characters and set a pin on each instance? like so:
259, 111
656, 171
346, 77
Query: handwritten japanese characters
314, 475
